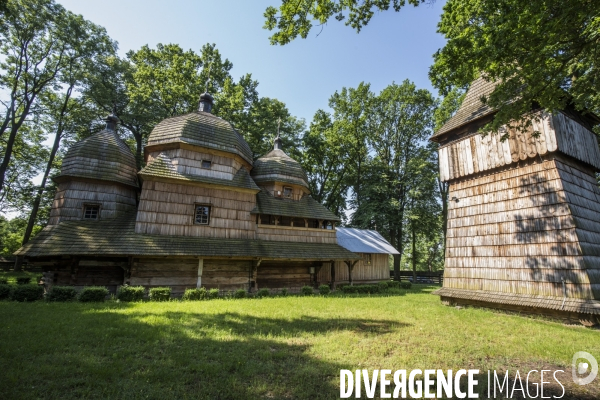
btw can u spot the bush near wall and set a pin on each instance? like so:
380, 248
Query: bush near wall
5, 291
263, 293
130, 293
93, 294
307, 290
160, 294
324, 290
195, 294
27, 293
240, 294
61, 293
213, 293
23, 280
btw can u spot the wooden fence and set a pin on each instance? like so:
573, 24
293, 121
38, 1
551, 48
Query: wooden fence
436, 276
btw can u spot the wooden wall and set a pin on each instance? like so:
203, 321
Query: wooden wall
71, 196
168, 209
190, 161
284, 274
521, 230
226, 274
475, 154
295, 234
378, 270
298, 191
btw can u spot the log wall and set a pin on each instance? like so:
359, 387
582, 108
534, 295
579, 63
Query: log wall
190, 162
523, 229
475, 154
284, 274
168, 209
72, 195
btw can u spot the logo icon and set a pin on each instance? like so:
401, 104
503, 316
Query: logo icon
580, 368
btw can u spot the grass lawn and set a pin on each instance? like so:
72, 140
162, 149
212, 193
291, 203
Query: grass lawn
276, 348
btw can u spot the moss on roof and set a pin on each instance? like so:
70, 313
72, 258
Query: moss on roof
279, 167
116, 237
162, 167
307, 207
201, 129
102, 156
471, 108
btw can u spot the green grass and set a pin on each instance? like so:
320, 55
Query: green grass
290, 347
12, 276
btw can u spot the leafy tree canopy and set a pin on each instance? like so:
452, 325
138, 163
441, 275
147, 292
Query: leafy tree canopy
295, 18
543, 52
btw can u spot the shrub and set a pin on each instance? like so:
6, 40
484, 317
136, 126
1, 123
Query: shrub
3, 281
394, 284
5, 291
240, 294
61, 293
263, 293
213, 294
23, 280
348, 289
361, 289
195, 294
307, 290
324, 289
405, 285
284, 292
27, 293
384, 285
93, 294
130, 293
160, 294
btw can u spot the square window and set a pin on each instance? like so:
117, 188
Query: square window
202, 215
367, 259
287, 191
91, 211
206, 164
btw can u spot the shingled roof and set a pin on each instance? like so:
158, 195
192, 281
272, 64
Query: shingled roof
201, 129
471, 108
162, 167
306, 207
102, 156
276, 166
116, 237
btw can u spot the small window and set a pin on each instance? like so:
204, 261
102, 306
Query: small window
367, 259
202, 215
91, 211
206, 164
287, 191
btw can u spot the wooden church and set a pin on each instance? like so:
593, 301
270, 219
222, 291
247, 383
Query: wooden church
524, 213
201, 212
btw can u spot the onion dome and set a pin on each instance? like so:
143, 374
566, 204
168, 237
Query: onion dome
103, 156
201, 128
276, 166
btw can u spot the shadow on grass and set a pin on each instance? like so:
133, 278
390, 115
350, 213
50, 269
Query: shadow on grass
78, 351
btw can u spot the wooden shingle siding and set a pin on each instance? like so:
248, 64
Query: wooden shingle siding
188, 162
71, 196
518, 231
293, 234
168, 209
555, 132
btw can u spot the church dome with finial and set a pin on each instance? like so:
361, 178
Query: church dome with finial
277, 166
102, 156
200, 128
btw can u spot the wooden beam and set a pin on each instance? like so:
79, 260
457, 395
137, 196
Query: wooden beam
332, 284
200, 270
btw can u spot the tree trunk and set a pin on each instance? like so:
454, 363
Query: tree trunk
55, 147
414, 251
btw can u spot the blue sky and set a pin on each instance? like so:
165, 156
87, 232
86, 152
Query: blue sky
302, 74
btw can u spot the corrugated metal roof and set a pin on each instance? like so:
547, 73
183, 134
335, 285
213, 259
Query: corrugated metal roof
364, 241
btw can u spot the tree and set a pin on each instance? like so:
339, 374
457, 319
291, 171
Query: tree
295, 18
90, 42
35, 38
542, 53
401, 120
